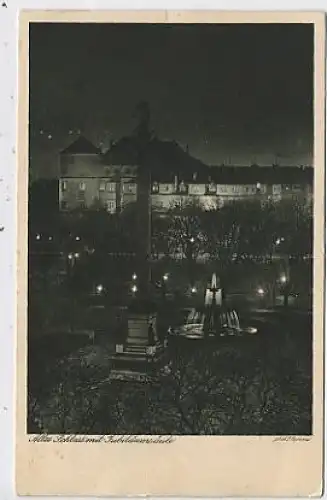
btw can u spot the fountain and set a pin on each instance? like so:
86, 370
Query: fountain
215, 320
220, 320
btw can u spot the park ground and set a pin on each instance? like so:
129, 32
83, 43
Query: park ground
253, 385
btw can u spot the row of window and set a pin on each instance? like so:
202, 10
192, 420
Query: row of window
103, 186
202, 189
222, 188
110, 205
107, 186
67, 161
183, 188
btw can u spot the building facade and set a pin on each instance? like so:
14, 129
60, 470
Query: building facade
89, 179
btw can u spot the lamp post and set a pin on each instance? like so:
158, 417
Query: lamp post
285, 288
164, 281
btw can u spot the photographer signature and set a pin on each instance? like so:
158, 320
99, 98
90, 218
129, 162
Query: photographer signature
291, 438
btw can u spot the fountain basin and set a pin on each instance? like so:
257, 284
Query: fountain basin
200, 324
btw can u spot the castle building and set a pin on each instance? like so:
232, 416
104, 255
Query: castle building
90, 179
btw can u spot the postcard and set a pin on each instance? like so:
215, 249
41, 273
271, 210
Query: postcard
170, 240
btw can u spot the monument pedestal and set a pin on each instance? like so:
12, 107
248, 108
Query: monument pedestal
139, 355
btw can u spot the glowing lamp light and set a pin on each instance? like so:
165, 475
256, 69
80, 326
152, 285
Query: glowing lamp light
261, 291
283, 278
134, 288
50, 238
193, 289
76, 255
278, 241
38, 237
134, 277
165, 277
192, 240
77, 238
50, 137
99, 288
70, 256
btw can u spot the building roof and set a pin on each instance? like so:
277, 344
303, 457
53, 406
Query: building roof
254, 174
164, 158
81, 146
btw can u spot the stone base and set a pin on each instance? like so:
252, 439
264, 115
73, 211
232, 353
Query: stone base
137, 362
140, 354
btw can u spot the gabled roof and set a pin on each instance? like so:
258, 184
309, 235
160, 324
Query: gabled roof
81, 146
164, 158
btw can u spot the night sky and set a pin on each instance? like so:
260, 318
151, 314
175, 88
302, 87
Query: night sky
236, 94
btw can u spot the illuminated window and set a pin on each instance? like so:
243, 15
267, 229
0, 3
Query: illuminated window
111, 206
212, 187
130, 187
82, 186
102, 186
182, 187
111, 186
63, 185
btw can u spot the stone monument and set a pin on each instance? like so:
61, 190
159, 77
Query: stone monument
138, 352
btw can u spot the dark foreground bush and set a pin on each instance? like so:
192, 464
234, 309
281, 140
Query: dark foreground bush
248, 389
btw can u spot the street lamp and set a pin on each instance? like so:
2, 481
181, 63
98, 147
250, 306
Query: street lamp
165, 277
261, 291
38, 237
76, 255
192, 240
99, 288
70, 256
77, 238
134, 277
134, 288
283, 278
193, 290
